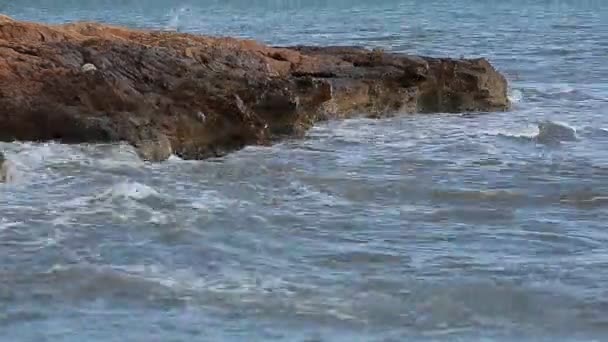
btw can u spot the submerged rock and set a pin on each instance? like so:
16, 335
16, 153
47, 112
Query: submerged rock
199, 96
554, 133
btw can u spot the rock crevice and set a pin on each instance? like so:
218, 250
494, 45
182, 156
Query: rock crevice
199, 96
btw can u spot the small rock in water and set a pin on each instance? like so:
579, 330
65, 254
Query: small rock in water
3, 168
554, 133
154, 150
88, 68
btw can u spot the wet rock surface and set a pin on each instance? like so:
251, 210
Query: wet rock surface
201, 97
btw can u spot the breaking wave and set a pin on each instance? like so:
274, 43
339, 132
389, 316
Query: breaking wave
128, 190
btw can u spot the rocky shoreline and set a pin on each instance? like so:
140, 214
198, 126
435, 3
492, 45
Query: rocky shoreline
199, 97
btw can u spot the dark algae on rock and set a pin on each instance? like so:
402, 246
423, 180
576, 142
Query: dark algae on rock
200, 97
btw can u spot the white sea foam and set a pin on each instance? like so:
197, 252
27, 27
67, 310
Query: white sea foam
29, 160
123, 202
41, 162
130, 190
174, 158
515, 96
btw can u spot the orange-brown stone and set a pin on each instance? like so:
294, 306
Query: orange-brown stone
199, 96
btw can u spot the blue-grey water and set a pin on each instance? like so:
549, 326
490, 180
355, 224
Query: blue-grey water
487, 227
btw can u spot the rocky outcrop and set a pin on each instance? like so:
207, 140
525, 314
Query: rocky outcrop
198, 96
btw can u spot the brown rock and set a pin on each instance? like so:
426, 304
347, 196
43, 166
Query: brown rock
156, 148
201, 96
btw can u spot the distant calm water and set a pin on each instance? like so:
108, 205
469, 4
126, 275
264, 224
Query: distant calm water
417, 228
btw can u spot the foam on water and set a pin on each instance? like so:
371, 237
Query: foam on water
515, 96
44, 162
29, 160
212, 200
128, 190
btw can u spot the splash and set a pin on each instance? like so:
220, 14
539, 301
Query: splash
129, 190
515, 96
175, 18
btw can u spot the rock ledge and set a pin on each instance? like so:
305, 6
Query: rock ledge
199, 96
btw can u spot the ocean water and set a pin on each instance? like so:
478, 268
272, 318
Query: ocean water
475, 227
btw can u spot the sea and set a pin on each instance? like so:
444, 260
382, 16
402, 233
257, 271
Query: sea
419, 227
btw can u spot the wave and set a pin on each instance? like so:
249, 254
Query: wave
43, 162
473, 215
560, 92
475, 196
88, 282
29, 160
428, 306
129, 190
595, 132
122, 202
585, 199
299, 191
